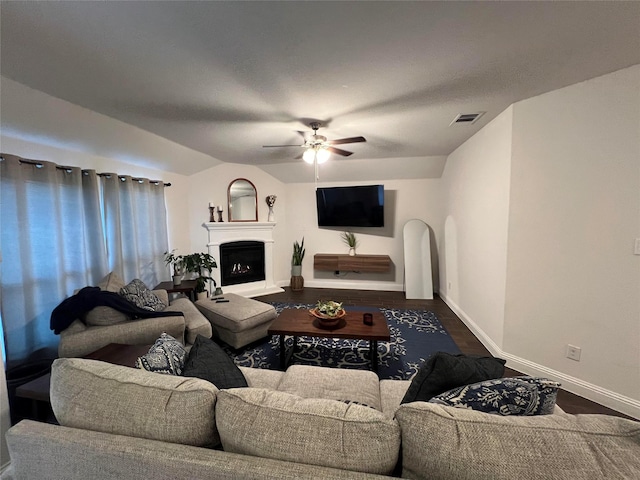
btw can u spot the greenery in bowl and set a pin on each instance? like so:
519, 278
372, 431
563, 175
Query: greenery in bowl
329, 308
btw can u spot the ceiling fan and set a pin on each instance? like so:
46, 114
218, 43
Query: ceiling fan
318, 148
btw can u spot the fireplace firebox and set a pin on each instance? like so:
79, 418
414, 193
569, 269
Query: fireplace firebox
241, 262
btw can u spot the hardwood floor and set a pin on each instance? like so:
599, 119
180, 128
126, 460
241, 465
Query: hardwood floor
463, 337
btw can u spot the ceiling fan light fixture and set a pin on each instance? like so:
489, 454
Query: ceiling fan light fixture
309, 155
322, 155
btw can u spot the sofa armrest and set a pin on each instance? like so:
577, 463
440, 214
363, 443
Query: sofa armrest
134, 332
162, 295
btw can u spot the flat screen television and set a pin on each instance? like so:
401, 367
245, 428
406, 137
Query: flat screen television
359, 206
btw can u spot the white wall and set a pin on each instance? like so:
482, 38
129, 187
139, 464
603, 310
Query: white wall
404, 200
474, 244
211, 186
575, 204
564, 179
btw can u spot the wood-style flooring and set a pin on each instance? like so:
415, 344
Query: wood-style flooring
463, 337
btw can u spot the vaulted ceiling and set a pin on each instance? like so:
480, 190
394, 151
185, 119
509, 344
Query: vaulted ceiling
226, 78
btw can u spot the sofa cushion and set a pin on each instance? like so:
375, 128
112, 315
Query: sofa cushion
444, 371
504, 396
262, 377
138, 294
307, 381
167, 355
278, 425
209, 362
471, 445
102, 316
99, 396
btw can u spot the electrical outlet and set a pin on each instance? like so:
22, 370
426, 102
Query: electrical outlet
636, 247
449, 286
573, 352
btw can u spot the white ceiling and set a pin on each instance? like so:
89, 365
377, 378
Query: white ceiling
226, 78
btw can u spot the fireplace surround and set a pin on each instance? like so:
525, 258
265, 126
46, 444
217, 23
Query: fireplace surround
221, 233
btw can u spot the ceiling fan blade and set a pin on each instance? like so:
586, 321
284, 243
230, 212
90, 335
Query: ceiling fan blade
339, 151
341, 141
271, 146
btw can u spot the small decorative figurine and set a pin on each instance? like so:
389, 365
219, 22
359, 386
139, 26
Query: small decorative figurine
271, 200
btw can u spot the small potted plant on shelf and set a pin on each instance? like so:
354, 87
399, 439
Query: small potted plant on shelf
297, 282
175, 261
350, 239
201, 265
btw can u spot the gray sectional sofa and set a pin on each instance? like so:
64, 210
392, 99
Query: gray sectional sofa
308, 422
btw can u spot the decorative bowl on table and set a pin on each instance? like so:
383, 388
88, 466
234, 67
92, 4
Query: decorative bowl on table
328, 313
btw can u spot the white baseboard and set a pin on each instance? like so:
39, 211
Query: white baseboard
354, 285
590, 391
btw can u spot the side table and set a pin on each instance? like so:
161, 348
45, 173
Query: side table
188, 287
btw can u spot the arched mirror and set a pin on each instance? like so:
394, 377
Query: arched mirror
243, 203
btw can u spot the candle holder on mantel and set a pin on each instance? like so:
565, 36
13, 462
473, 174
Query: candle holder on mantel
212, 213
220, 214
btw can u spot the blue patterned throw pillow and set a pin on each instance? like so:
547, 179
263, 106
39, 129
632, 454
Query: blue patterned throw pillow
138, 294
504, 396
167, 355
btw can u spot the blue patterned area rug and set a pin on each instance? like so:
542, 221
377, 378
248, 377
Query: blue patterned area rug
415, 335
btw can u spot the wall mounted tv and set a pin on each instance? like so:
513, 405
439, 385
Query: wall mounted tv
359, 206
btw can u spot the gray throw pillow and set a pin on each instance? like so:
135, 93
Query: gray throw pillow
444, 371
138, 294
209, 362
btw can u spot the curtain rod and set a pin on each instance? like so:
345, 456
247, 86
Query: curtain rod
68, 169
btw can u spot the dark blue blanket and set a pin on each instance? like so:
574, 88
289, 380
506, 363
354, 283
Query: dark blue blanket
90, 297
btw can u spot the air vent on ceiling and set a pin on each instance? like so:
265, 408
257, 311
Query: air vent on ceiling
467, 118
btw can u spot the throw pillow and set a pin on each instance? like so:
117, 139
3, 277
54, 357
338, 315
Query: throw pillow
138, 294
167, 355
443, 371
208, 361
111, 283
504, 396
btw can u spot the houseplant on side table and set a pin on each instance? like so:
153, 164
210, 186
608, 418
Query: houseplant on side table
297, 281
201, 265
176, 261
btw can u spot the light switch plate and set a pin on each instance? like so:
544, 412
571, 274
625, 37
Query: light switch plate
636, 247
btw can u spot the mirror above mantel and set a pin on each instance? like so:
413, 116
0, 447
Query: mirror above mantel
243, 201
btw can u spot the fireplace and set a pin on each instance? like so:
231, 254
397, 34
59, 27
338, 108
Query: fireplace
224, 233
241, 262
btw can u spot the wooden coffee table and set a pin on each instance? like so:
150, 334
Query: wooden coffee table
299, 322
38, 390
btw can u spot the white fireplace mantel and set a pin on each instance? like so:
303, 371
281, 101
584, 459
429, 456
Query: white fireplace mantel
225, 232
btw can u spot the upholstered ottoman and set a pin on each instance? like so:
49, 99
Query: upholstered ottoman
239, 321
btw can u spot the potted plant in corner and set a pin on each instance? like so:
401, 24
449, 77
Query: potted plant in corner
201, 265
297, 282
350, 239
175, 261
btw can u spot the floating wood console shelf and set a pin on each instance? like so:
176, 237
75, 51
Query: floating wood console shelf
357, 263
